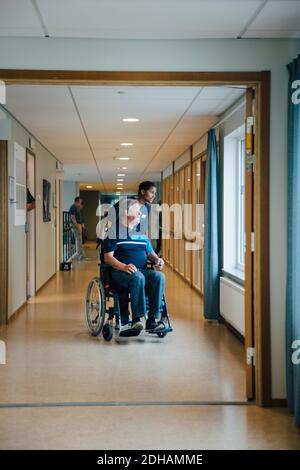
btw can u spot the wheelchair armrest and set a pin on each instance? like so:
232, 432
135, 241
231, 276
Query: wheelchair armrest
105, 270
150, 265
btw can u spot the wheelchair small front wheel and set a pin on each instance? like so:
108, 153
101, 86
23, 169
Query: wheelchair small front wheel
161, 334
95, 306
107, 332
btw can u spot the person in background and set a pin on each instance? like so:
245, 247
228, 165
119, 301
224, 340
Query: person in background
83, 226
30, 201
76, 220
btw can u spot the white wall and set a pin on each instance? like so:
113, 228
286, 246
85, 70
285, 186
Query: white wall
232, 304
198, 55
70, 191
16, 235
45, 231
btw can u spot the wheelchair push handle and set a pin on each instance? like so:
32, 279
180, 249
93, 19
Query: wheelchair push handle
151, 265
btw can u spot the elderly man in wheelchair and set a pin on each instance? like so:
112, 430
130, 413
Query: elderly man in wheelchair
126, 254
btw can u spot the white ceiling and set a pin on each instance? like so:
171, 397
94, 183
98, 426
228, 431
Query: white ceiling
151, 19
82, 126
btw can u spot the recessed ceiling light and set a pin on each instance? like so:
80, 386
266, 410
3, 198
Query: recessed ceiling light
130, 119
122, 158
121, 174
89, 187
126, 144
118, 179
122, 168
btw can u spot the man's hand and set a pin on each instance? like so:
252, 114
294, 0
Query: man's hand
159, 264
130, 268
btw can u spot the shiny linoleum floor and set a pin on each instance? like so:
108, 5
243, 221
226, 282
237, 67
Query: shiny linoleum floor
51, 358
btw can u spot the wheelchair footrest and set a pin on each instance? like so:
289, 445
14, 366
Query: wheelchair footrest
128, 333
164, 331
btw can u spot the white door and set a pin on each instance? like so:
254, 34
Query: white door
30, 227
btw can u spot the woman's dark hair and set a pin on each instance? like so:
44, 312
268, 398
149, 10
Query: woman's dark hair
145, 185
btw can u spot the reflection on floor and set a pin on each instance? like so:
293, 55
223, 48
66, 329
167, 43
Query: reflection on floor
52, 358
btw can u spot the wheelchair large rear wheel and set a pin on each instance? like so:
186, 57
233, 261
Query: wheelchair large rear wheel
95, 306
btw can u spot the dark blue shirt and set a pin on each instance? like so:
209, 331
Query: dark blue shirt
131, 249
75, 211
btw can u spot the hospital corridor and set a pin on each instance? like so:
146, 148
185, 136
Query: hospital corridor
149, 232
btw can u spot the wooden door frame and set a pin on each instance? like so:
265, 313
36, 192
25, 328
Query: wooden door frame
3, 232
32, 153
261, 83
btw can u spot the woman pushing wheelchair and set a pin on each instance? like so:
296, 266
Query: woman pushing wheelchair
127, 251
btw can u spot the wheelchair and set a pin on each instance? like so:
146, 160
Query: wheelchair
104, 319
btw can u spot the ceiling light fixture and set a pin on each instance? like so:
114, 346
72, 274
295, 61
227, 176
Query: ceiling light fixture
130, 119
126, 144
121, 174
89, 187
120, 179
122, 158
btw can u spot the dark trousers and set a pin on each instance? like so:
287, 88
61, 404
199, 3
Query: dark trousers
145, 282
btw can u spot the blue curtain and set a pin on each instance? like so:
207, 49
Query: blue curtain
212, 231
293, 261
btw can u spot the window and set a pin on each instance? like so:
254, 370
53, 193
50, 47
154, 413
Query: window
241, 205
234, 203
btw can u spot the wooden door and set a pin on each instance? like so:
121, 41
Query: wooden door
187, 228
196, 199
249, 247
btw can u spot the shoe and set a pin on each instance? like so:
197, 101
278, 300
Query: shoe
137, 325
155, 326
133, 329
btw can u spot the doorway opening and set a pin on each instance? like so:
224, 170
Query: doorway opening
257, 326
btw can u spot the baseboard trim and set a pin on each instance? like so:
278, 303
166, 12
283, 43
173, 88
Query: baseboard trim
16, 313
233, 330
45, 283
142, 403
279, 403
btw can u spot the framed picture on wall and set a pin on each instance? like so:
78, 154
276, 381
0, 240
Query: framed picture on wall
46, 201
